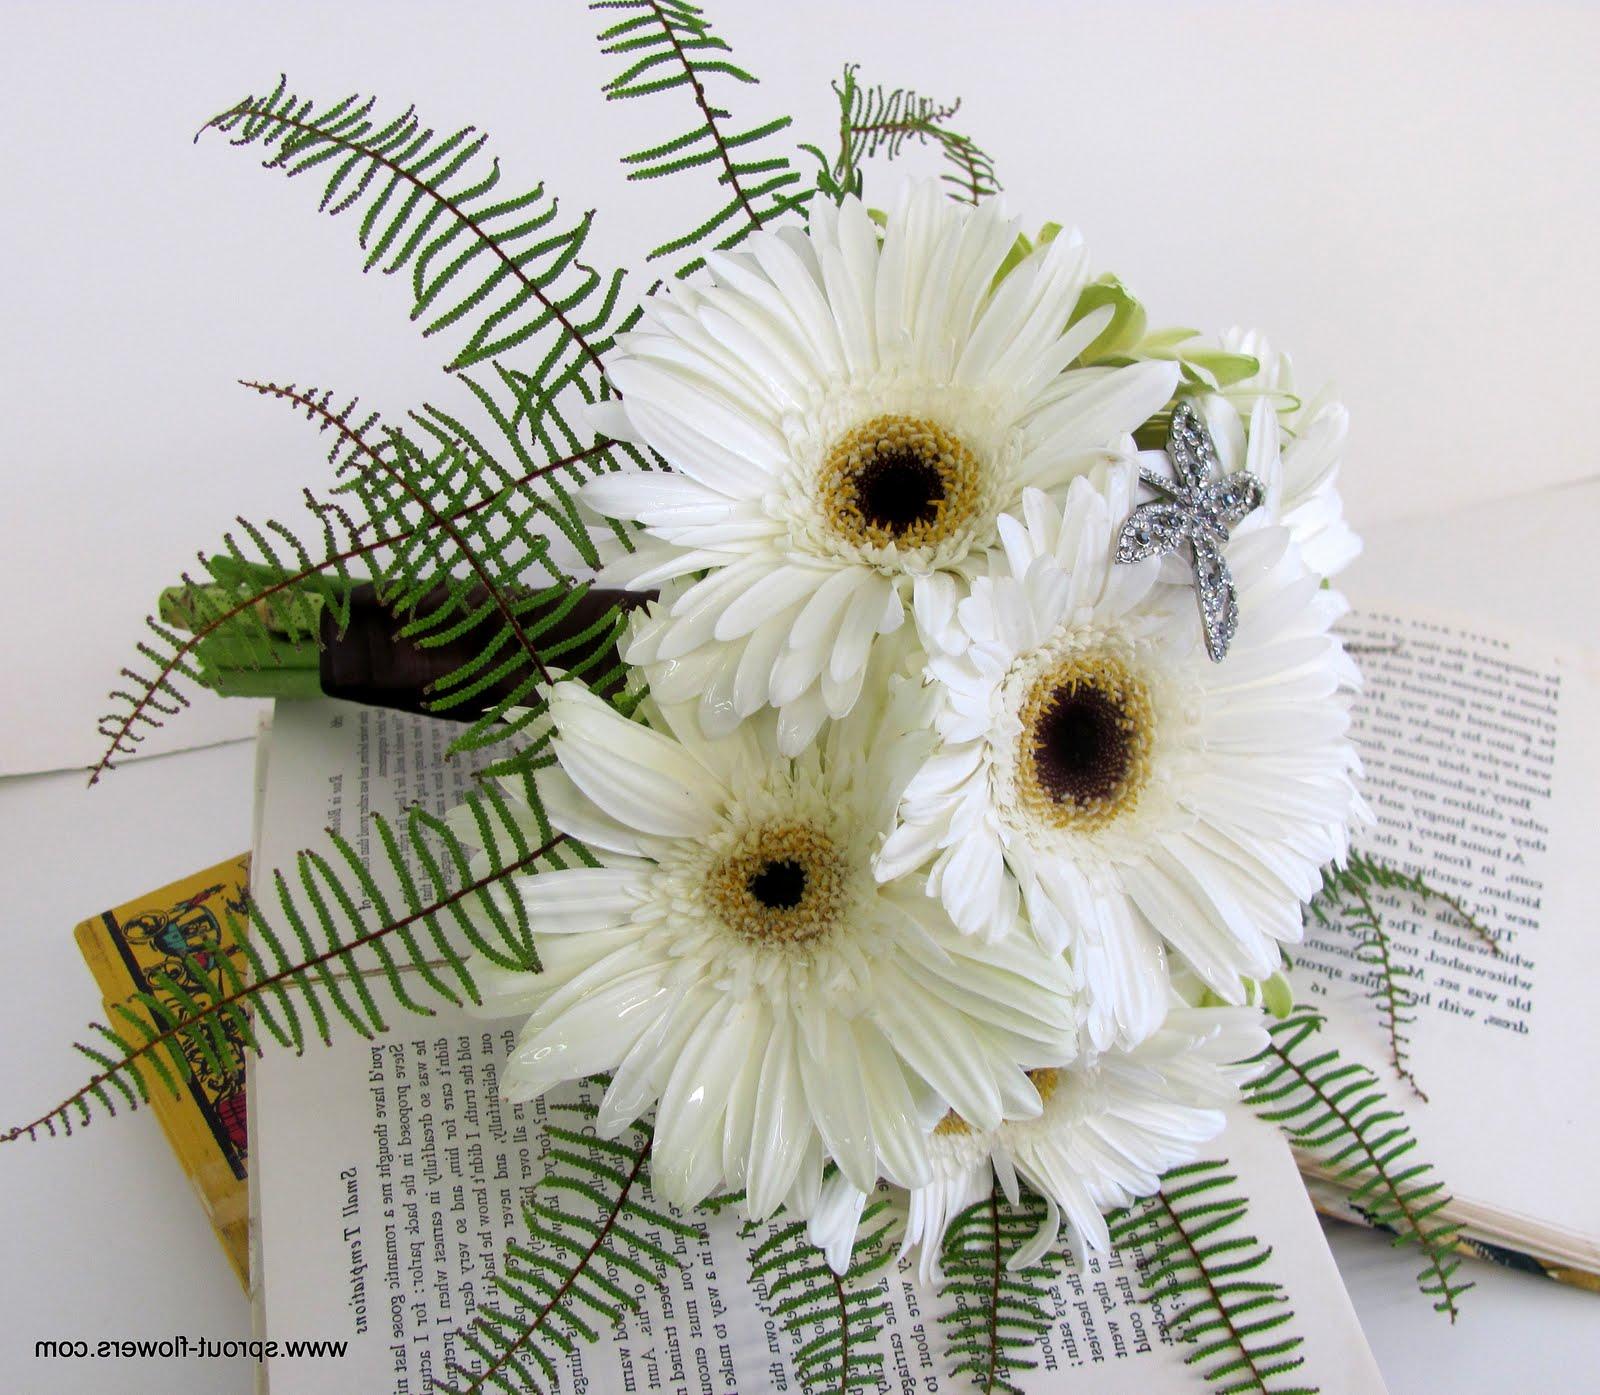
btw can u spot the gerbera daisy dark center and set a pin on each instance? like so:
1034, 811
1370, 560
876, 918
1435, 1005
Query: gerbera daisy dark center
1086, 732
779, 884
901, 480
1081, 747
897, 490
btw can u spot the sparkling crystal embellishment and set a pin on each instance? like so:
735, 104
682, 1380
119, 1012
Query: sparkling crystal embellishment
1200, 510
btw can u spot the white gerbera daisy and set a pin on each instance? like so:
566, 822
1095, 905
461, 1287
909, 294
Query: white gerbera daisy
846, 419
734, 962
1109, 1129
1247, 421
1098, 767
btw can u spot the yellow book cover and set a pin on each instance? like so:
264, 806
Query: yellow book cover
205, 1124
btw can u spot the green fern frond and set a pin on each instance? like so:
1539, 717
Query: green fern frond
880, 120
1347, 900
1203, 1273
1337, 1115
451, 541
500, 265
666, 45
1349, 905
428, 505
266, 592
1363, 872
833, 1318
465, 566
595, 1240
308, 958
1000, 1312
257, 594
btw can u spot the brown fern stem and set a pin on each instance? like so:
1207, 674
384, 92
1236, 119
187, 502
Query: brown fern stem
711, 114
1391, 996
844, 1331
963, 157
1234, 1335
440, 197
908, 126
1393, 877
468, 510
250, 992
1470, 921
957, 147
532, 1327
995, 1272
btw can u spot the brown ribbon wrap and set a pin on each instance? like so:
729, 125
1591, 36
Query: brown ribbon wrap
371, 662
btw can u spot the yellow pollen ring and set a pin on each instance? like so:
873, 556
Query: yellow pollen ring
796, 867
1088, 726
898, 480
1045, 1080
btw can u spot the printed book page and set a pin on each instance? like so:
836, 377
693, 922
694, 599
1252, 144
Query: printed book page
390, 1177
326, 765
1482, 762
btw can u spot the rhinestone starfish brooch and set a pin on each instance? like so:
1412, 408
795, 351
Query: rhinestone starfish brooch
1200, 510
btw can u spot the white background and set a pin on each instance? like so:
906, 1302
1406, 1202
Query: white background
1403, 195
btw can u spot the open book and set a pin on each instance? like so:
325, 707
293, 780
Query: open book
1482, 765
389, 1177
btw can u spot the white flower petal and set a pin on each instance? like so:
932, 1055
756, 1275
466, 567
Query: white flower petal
836, 1096
591, 1036
943, 1050
575, 815
860, 623
782, 1129
652, 496
565, 902
777, 590
819, 619
635, 775
1104, 408
686, 1161
799, 721
833, 1223
902, 1142
637, 1081
739, 1122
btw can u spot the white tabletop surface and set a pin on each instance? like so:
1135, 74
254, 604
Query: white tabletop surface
102, 1238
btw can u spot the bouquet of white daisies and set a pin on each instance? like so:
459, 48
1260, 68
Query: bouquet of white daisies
977, 761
